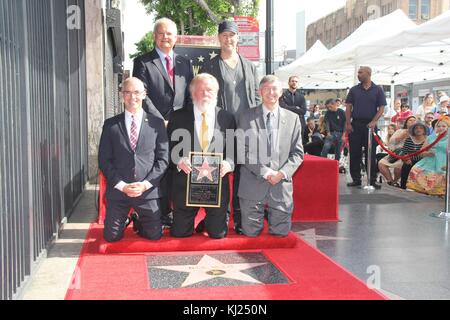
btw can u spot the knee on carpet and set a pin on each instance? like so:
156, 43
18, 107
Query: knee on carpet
180, 235
217, 236
112, 237
152, 237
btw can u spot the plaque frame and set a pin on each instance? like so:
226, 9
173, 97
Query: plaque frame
218, 186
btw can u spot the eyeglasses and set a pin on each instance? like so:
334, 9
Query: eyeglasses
131, 93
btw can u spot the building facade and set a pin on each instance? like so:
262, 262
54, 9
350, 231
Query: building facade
338, 25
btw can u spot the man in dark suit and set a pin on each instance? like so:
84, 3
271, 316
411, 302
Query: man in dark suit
238, 88
133, 156
293, 100
166, 78
203, 128
165, 74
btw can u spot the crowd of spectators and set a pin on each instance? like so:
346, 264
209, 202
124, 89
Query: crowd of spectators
406, 131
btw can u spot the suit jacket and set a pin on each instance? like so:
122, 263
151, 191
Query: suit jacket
118, 162
185, 119
250, 76
296, 105
162, 97
252, 185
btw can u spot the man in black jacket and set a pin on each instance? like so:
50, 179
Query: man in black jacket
293, 100
203, 128
238, 88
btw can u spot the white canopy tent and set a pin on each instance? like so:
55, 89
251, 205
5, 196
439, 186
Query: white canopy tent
397, 50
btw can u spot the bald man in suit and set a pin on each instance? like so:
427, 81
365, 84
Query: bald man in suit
133, 156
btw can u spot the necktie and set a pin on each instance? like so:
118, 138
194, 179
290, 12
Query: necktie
169, 66
133, 133
204, 133
269, 133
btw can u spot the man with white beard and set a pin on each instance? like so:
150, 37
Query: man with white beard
203, 128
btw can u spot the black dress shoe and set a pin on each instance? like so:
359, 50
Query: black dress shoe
134, 217
238, 230
167, 220
354, 184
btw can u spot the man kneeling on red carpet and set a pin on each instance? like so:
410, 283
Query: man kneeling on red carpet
269, 143
133, 156
203, 128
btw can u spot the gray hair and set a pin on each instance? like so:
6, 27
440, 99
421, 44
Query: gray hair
269, 79
204, 77
166, 22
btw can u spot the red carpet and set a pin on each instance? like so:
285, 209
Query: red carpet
198, 242
316, 190
310, 274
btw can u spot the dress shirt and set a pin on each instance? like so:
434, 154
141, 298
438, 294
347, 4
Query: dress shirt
210, 121
275, 120
162, 57
138, 118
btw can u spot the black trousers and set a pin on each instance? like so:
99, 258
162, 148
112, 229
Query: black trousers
236, 206
216, 221
149, 224
357, 140
313, 148
165, 201
406, 169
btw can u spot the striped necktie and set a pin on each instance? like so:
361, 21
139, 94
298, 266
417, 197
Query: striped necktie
133, 133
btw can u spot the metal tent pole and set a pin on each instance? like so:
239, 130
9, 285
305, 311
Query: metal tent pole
446, 214
369, 186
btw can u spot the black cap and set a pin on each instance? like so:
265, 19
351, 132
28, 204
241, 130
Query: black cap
228, 26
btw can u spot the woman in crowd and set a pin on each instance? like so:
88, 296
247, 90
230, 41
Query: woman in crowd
395, 144
428, 175
426, 106
414, 142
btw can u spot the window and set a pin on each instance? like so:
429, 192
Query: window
425, 10
413, 9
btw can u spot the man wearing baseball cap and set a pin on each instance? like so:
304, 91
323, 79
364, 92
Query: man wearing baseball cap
238, 87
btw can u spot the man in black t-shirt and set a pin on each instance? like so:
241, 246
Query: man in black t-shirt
365, 105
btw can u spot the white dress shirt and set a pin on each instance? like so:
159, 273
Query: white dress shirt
138, 118
275, 121
210, 121
162, 57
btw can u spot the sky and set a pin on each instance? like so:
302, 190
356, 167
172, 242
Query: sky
137, 23
285, 15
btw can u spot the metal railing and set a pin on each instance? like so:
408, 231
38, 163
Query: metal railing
42, 130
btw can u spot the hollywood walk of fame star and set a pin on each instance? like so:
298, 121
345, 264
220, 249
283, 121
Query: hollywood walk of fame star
205, 171
212, 55
209, 268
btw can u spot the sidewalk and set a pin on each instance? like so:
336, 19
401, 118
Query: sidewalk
53, 275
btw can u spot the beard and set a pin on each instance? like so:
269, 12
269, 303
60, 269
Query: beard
205, 105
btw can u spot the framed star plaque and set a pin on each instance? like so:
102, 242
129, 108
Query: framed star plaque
204, 184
